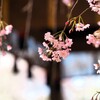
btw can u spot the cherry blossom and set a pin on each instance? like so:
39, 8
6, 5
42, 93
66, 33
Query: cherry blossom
95, 5
9, 47
98, 23
93, 40
40, 50
48, 37
77, 23
8, 29
58, 45
81, 27
55, 48
4, 31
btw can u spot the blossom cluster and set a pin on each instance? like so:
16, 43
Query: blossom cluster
77, 23
81, 26
95, 5
4, 31
55, 49
58, 47
94, 39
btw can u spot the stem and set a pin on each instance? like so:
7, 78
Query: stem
72, 9
56, 33
75, 17
64, 28
84, 11
82, 19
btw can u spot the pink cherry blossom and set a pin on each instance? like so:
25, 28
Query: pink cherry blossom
93, 40
45, 45
63, 53
60, 38
98, 23
48, 37
44, 57
98, 12
94, 5
61, 45
68, 42
81, 27
86, 26
2, 32
55, 49
56, 57
8, 29
55, 43
9, 47
40, 50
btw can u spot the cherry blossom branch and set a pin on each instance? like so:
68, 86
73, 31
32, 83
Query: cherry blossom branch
72, 9
73, 21
58, 45
84, 11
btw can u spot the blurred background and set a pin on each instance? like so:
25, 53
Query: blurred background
24, 76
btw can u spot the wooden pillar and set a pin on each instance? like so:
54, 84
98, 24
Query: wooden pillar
52, 14
54, 68
6, 10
